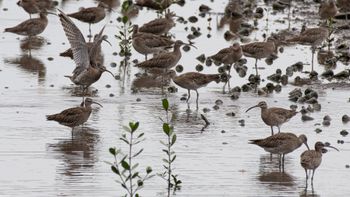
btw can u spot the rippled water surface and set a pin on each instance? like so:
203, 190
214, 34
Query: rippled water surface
40, 158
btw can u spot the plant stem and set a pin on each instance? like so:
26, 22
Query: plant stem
130, 165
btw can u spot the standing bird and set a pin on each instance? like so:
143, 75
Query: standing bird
311, 159
327, 10
228, 56
164, 60
314, 37
259, 50
75, 116
282, 144
30, 27
156, 5
194, 81
147, 43
274, 116
91, 15
159, 26
87, 70
35, 6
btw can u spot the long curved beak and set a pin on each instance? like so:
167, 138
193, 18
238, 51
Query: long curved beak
332, 147
97, 103
307, 146
251, 108
191, 45
109, 72
51, 13
107, 42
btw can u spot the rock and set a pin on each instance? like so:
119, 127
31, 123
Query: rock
306, 118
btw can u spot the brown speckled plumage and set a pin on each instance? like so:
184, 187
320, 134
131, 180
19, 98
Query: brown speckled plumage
30, 27
159, 26
194, 81
147, 43
327, 9
162, 5
75, 116
274, 116
281, 143
311, 159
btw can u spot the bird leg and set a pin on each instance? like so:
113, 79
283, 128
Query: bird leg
229, 77
188, 98
283, 162
145, 56
197, 98
256, 67
279, 129
90, 36
72, 132
312, 178
307, 177
271, 130
312, 59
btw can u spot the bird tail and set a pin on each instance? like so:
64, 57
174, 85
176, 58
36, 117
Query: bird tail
67, 53
254, 141
70, 77
11, 29
293, 40
51, 117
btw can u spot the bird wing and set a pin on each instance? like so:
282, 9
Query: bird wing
157, 25
152, 40
221, 54
76, 40
283, 114
158, 60
96, 45
274, 141
253, 48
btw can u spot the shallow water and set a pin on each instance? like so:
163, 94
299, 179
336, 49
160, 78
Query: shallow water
40, 158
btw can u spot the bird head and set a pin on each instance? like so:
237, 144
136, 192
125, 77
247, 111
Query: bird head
261, 104
303, 139
319, 146
88, 102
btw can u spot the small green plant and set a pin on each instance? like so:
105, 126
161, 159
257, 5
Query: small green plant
168, 129
123, 165
124, 36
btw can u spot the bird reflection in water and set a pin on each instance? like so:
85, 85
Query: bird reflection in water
32, 43
29, 64
78, 153
155, 78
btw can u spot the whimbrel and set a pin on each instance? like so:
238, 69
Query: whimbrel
75, 116
91, 15
274, 116
30, 27
147, 43
164, 60
159, 26
313, 37
281, 143
194, 81
228, 56
156, 5
259, 50
311, 159
328, 10
87, 70
35, 6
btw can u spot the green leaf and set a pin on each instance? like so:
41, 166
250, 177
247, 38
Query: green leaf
173, 140
140, 151
165, 160
140, 135
133, 126
115, 170
148, 170
112, 151
134, 166
123, 185
125, 19
165, 103
166, 151
124, 140
139, 183
173, 159
135, 175
125, 165
166, 128
165, 144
